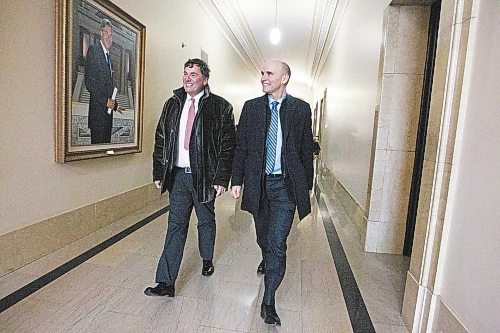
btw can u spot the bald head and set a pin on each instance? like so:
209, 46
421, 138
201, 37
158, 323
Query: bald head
275, 75
286, 69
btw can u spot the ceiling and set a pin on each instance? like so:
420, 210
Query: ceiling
307, 31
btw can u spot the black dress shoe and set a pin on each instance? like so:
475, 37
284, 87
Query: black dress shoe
160, 290
261, 269
208, 268
268, 313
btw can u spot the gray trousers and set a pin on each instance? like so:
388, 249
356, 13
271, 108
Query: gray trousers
183, 198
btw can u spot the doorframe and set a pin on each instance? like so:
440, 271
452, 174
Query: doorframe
425, 104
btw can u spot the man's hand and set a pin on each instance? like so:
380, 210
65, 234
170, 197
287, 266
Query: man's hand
110, 104
219, 189
158, 184
236, 191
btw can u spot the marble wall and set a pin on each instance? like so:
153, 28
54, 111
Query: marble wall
402, 64
419, 306
23, 246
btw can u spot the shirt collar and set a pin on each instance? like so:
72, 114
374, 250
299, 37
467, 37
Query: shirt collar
197, 97
270, 99
103, 48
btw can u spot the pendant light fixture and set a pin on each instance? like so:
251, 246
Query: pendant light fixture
275, 34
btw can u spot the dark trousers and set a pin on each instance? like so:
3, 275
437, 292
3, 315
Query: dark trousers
101, 134
183, 198
272, 224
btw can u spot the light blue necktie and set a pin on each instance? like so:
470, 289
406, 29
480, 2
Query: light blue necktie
272, 137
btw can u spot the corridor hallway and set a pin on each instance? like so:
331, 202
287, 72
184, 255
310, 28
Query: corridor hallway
105, 292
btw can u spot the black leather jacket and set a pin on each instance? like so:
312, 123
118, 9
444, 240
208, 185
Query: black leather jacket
211, 148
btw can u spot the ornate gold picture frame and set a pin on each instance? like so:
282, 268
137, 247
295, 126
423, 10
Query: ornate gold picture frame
80, 25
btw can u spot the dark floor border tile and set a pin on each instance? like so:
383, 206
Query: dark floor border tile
356, 308
42, 281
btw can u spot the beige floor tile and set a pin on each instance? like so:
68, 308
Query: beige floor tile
134, 302
82, 311
114, 322
320, 277
205, 329
249, 246
178, 314
191, 265
27, 315
105, 294
294, 250
382, 310
386, 328
13, 281
315, 250
243, 270
74, 283
324, 313
233, 307
204, 287
226, 247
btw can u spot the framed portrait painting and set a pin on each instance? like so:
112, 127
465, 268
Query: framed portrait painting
99, 80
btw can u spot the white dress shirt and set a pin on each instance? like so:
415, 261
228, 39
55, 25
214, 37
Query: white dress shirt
183, 154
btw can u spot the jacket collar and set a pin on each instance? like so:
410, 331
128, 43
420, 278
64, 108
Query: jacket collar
181, 94
265, 99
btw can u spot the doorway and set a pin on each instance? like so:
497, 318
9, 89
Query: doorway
422, 127
318, 117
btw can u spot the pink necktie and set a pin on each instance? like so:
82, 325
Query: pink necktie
189, 125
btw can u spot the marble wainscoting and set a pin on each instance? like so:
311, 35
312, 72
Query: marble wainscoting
54, 241
332, 187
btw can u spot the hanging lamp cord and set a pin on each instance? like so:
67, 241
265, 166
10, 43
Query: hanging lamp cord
276, 13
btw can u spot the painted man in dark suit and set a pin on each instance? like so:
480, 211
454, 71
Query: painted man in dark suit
274, 161
99, 82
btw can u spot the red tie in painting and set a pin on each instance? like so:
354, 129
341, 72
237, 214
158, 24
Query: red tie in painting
189, 125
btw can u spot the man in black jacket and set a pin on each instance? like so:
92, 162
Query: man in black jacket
274, 160
192, 159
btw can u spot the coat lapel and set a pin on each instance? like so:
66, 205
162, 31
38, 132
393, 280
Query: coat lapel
265, 118
286, 113
104, 62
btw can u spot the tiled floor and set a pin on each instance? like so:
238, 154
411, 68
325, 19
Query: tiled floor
105, 294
